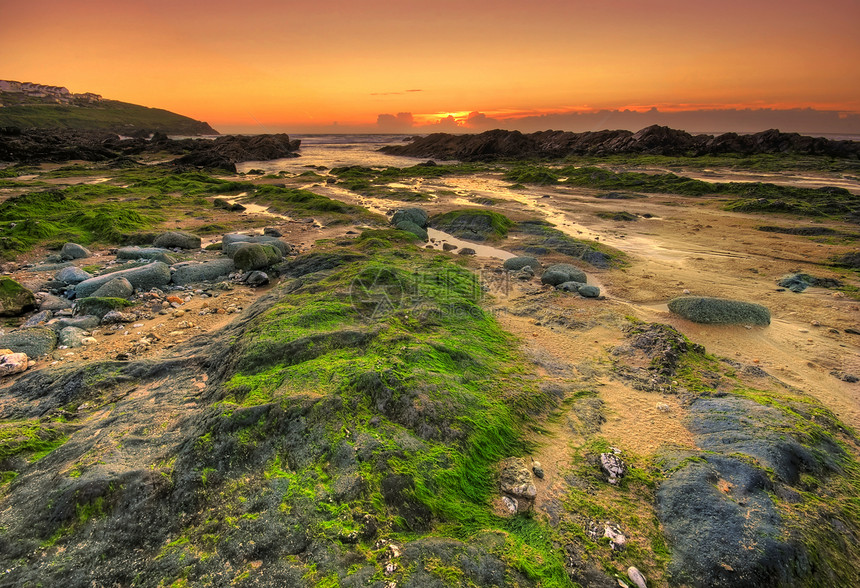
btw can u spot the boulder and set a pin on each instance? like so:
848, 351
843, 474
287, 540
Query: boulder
179, 239
39, 319
588, 291
13, 363
413, 215
272, 232
99, 306
720, 311
115, 316
257, 278
250, 256
560, 273
86, 322
569, 286
74, 251
411, 227
467, 251
15, 299
51, 302
153, 275
116, 288
230, 241
208, 271
636, 577
72, 337
72, 275
151, 253
35, 342
518, 263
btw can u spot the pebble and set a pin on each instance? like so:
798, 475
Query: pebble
510, 504
89, 341
613, 466
13, 363
636, 577
537, 469
662, 407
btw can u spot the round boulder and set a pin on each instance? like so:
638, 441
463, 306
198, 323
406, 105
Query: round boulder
72, 275
208, 271
720, 311
560, 273
116, 288
179, 239
250, 257
15, 299
518, 263
74, 251
72, 337
145, 277
588, 291
413, 215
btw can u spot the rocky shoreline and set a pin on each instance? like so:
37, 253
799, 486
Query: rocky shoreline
653, 140
30, 146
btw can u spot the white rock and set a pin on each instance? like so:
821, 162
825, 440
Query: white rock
13, 363
636, 577
617, 540
510, 504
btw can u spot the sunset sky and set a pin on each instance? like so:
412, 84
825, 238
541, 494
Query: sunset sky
258, 66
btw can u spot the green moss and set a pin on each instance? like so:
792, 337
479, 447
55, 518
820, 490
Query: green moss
100, 306
486, 224
32, 438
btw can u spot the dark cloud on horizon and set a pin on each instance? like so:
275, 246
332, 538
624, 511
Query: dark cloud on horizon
800, 120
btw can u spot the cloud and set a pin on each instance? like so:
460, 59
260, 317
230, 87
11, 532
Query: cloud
394, 93
395, 123
479, 120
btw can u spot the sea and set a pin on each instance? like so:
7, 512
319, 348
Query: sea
337, 151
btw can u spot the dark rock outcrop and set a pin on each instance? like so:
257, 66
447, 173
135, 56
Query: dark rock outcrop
653, 140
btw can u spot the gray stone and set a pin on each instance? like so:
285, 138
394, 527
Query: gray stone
86, 322
35, 342
208, 271
74, 251
719, 311
15, 299
153, 275
49, 267
117, 288
448, 247
72, 275
467, 251
569, 286
151, 253
537, 469
179, 239
613, 467
511, 504
560, 273
589, 291
72, 337
115, 316
38, 320
257, 278
518, 263
414, 215
250, 256
272, 232
51, 302
231, 241
617, 539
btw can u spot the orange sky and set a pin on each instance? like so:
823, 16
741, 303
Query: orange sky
285, 65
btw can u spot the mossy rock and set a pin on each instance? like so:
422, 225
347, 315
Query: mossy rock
474, 225
720, 311
35, 341
518, 263
15, 299
99, 306
251, 256
560, 273
416, 215
179, 239
410, 227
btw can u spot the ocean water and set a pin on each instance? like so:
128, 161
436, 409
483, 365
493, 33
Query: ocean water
336, 151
